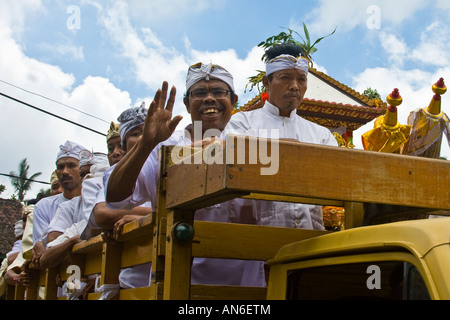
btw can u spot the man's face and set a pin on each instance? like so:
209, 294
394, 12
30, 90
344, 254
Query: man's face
56, 188
214, 112
287, 89
115, 151
132, 137
84, 171
68, 173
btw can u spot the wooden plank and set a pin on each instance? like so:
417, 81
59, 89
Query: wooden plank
93, 263
208, 292
320, 172
226, 240
88, 246
137, 228
137, 251
135, 294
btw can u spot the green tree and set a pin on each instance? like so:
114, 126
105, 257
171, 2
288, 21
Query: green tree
20, 181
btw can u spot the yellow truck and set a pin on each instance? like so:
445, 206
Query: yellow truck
397, 261
389, 260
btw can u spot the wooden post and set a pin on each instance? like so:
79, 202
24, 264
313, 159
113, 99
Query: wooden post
111, 258
51, 290
177, 280
354, 214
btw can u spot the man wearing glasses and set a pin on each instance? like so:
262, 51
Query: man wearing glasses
209, 99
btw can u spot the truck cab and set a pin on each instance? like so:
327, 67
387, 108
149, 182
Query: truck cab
406, 260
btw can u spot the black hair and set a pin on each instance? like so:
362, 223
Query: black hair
285, 48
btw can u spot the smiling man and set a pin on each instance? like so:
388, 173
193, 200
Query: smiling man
209, 99
286, 81
67, 170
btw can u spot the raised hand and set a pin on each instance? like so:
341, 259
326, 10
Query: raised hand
159, 124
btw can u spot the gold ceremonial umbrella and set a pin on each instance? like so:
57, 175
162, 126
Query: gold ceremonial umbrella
428, 127
388, 135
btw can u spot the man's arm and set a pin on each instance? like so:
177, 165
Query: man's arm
158, 127
56, 254
106, 217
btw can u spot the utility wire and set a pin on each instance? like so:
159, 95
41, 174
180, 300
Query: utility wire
52, 114
11, 176
63, 104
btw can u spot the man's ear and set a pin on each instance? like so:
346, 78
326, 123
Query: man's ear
266, 82
186, 103
235, 100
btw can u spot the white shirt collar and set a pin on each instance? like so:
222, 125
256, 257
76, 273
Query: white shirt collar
276, 112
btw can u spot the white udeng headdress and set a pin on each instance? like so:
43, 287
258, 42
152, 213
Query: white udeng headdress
202, 71
69, 149
286, 61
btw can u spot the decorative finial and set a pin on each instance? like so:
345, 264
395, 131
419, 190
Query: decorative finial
439, 89
394, 100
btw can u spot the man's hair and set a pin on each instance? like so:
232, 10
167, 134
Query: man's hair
285, 48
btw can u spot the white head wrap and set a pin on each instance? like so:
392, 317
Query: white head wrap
98, 161
18, 229
202, 71
86, 158
69, 149
101, 163
130, 119
286, 61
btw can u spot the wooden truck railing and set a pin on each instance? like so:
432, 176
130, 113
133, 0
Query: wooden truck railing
306, 173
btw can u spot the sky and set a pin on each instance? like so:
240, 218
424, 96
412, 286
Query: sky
87, 61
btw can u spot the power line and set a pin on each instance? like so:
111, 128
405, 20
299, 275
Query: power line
52, 114
12, 176
63, 104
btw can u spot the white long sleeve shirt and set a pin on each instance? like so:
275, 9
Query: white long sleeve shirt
267, 123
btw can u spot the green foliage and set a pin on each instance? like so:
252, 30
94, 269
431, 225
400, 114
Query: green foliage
2, 188
20, 181
284, 37
372, 93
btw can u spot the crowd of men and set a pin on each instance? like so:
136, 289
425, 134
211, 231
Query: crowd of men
100, 193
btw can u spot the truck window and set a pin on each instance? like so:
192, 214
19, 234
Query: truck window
387, 280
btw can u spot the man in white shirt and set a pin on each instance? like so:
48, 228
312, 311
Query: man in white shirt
286, 83
79, 208
67, 170
209, 99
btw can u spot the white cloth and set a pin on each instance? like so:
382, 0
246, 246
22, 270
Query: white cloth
78, 208
62, 219
266, 122
203, 71
69, 149
286, 61
18, 229
44, 211
74, 230
17, 247
204, 270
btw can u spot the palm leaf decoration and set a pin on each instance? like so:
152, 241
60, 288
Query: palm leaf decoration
285, 37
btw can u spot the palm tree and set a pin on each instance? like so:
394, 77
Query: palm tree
20, 181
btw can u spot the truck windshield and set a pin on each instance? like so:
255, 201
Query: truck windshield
387, 280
